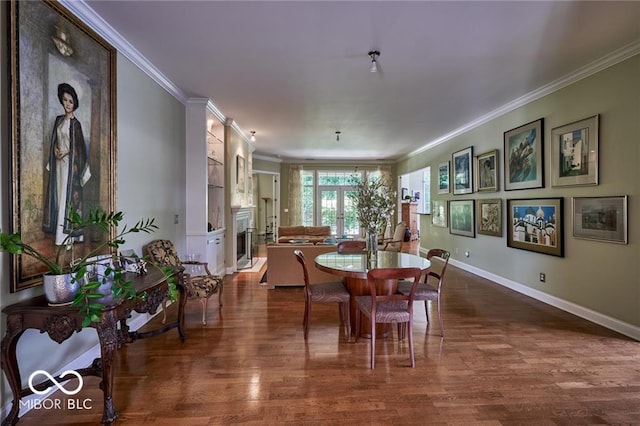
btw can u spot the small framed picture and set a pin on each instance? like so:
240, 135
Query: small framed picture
574, 153
462, 162
443, 178
461, 218
487, 171
600, 218
489, 214
439, 213
535, 224
523, 158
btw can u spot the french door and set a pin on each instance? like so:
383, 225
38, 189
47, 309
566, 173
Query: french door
337, 210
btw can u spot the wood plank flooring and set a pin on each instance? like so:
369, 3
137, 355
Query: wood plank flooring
506, 359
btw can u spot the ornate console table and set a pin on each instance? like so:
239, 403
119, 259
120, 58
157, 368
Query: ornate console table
60, 322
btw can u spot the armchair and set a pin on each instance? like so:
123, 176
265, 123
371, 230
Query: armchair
199, 282
395, 242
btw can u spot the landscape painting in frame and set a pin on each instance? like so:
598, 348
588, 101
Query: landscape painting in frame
462, 164
490, 217
536, 225
600, 218
574, 153
523, 158
461, 218
443, 178
62, 122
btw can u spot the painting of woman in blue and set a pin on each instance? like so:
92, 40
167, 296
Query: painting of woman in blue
68, 168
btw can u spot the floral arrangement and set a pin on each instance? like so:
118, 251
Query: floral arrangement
374, 202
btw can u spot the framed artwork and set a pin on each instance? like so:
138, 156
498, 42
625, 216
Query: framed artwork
443, 178
240, 173
600, 218
490, 217
461, 218
535, 224
439, 213
63, 133
463, 171
574, 153
487, 171
523, 161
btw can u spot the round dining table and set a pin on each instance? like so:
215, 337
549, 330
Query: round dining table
353, 267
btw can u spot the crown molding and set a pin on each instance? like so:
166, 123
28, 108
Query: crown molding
594, 67
83, 11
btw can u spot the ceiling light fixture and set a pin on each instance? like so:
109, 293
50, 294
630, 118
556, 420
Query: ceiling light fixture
374, 54
338, 135
253, 136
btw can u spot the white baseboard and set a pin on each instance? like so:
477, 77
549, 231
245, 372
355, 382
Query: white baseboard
585, 313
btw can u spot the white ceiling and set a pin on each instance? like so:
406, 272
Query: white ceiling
297, 72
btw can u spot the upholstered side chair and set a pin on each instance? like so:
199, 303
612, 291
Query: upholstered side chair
431, 287
330, 292
395, 242
388, 308
199, 282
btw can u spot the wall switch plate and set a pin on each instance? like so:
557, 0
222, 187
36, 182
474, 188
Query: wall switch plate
543, 277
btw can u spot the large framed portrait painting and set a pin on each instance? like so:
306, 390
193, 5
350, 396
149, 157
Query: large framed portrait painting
62, 121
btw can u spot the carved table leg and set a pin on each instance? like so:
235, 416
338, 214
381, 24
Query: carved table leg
9, 363
182, 301
108, 336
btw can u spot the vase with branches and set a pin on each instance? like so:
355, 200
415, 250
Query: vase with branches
374, 201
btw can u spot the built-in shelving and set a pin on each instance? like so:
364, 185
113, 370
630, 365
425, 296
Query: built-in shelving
206, 182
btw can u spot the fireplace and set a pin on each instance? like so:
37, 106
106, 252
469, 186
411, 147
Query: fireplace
242, 225
242, 245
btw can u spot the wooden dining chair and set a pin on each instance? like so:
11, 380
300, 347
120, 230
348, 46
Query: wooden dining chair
388, 308
431, 287
330, 292
352, 246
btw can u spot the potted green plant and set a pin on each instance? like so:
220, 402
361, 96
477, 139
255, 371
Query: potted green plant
86, 289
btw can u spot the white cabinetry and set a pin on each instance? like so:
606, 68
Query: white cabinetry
205, 183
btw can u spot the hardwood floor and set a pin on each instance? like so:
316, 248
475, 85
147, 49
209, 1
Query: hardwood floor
506, 359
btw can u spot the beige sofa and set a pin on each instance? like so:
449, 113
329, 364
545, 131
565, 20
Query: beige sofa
314, 234
283, 268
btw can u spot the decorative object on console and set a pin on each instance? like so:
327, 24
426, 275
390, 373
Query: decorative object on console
79, 268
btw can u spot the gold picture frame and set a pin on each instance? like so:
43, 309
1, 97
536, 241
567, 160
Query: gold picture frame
63, 134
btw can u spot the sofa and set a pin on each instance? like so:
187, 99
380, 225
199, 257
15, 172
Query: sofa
283, 268
313, 234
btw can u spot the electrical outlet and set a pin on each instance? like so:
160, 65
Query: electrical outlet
543, 277
467, 253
